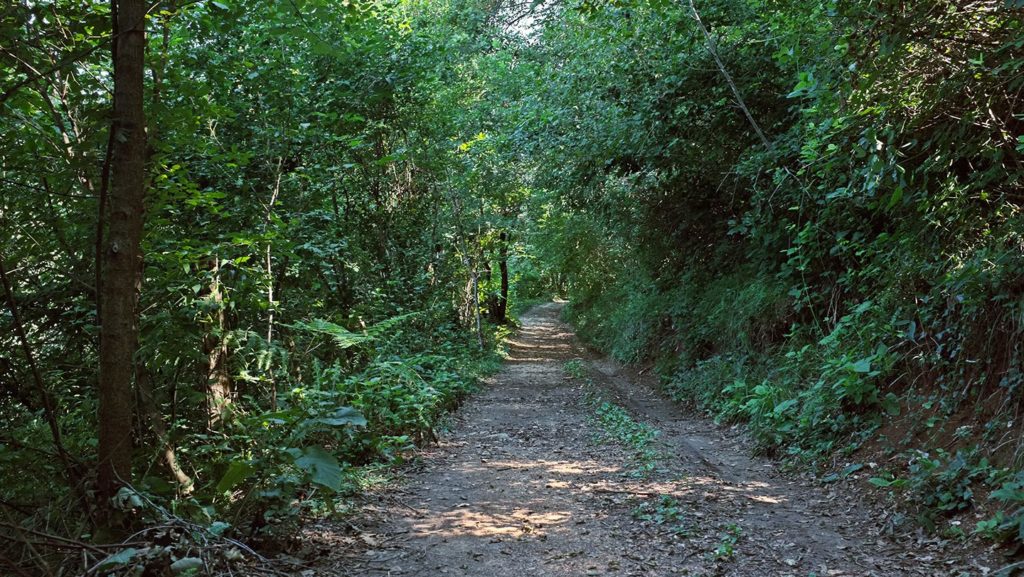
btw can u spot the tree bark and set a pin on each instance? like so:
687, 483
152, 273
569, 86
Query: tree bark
471, 294
476, 307
122, 254
491, 300
270, 285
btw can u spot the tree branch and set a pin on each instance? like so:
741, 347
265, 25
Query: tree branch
713, 50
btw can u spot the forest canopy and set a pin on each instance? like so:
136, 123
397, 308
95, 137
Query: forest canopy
254, 250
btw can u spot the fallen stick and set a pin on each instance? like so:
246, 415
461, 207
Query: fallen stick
626, 492
74, 543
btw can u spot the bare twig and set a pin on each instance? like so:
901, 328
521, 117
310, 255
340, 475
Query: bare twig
1009, 569
626, 492
51, 537
49, 405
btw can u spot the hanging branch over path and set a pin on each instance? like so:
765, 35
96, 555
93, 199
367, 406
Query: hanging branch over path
713, 50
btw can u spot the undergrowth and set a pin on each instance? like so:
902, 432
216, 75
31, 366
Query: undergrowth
336, 433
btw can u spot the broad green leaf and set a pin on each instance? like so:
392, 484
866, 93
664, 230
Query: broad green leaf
186, 564
891, 404
862, 366
784, 406
320, 467
237, 472
896, 196
218, 528
344, 416
119, 559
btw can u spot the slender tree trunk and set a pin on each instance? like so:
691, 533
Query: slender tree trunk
473, 285
101, 218
476, 276
476, 307
270, 286
218, 380
501, 316
149, 406
101, 202
491, 300
122, 253
466, 304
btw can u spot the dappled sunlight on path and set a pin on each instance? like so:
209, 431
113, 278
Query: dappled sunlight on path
527, 483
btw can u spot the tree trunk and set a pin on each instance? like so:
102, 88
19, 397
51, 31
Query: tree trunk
218, 380
491, 300
476, 307
122, 255
270, 285
501, 311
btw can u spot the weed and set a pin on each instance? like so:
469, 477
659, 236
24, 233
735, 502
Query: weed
575, 368
1008, 524
665, 510
620, 427
728, 539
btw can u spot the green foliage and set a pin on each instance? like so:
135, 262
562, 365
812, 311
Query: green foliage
939, 485
335, 189
575, 368
340, 420
312, 226
729, 538
1008, 525
663, 510
343, 338
620, 427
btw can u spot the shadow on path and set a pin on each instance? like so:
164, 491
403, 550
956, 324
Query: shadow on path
522, 486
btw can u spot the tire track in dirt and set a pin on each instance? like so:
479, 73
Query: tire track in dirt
520, 487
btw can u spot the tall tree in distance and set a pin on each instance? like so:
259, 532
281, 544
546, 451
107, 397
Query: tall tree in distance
122, 255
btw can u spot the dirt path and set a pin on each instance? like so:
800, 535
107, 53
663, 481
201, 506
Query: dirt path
524, 485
